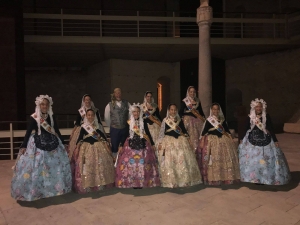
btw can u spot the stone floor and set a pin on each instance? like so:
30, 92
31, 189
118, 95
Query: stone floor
226, 205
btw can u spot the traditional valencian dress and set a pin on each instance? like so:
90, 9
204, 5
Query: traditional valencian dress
193, 118
176, 158
43, 170
136, 165
92, 161
260, 160
151, 117
218, 159
80, 118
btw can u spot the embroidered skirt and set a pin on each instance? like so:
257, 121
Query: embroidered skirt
154, 131
177, 163
263, 164
136, 167
194, 127
41, 174
218, 160
73, 139
92, 168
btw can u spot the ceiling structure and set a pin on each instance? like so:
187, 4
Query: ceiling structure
84, 52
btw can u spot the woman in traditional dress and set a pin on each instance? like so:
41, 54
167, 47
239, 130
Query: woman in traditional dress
193, 116
86, 104
217, 153
177, 162
151, 115
42, 168
136, 165
92, 159
261, 159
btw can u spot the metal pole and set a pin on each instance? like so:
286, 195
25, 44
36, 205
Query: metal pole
173, 24
138, 24
242, 26
11, 141
274, 27
62, 23
286, 26
100, 23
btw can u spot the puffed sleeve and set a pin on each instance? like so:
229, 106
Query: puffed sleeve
148, 133
78, 119
200, 110
31, 126
181, 125
270, 128
57, 130
206, 128
226, 128
156, 113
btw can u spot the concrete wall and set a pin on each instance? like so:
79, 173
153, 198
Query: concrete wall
133, 77
275, 77
98, 84
65, 87
137, 77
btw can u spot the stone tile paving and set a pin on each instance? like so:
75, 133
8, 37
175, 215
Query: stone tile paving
244, 204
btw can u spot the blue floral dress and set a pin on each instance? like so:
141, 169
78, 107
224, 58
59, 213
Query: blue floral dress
260, 160
43, 170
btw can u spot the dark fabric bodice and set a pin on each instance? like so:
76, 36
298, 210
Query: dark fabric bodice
208, 126
156, 114
174, 133
136, 144
183, 108
45, 141
259, 135
90, 139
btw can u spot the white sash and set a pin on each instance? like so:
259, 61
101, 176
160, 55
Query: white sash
189, 105
82, 111
217, 125
44, 124
91, 131
174, 126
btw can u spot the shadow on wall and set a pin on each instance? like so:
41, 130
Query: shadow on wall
163, 94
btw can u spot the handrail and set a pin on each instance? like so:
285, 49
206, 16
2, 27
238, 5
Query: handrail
11, 134
173, 24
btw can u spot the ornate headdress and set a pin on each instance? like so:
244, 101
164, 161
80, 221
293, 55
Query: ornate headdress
132, 120
38, 101
252, 115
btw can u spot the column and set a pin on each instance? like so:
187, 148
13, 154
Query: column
204, 20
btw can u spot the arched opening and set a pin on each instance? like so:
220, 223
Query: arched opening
163, 94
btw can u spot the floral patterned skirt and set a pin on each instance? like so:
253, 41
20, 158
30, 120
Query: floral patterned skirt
218, 160
136, 168
263, 164
41, 174
177, 163
92, 168
73, 139
194, 127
